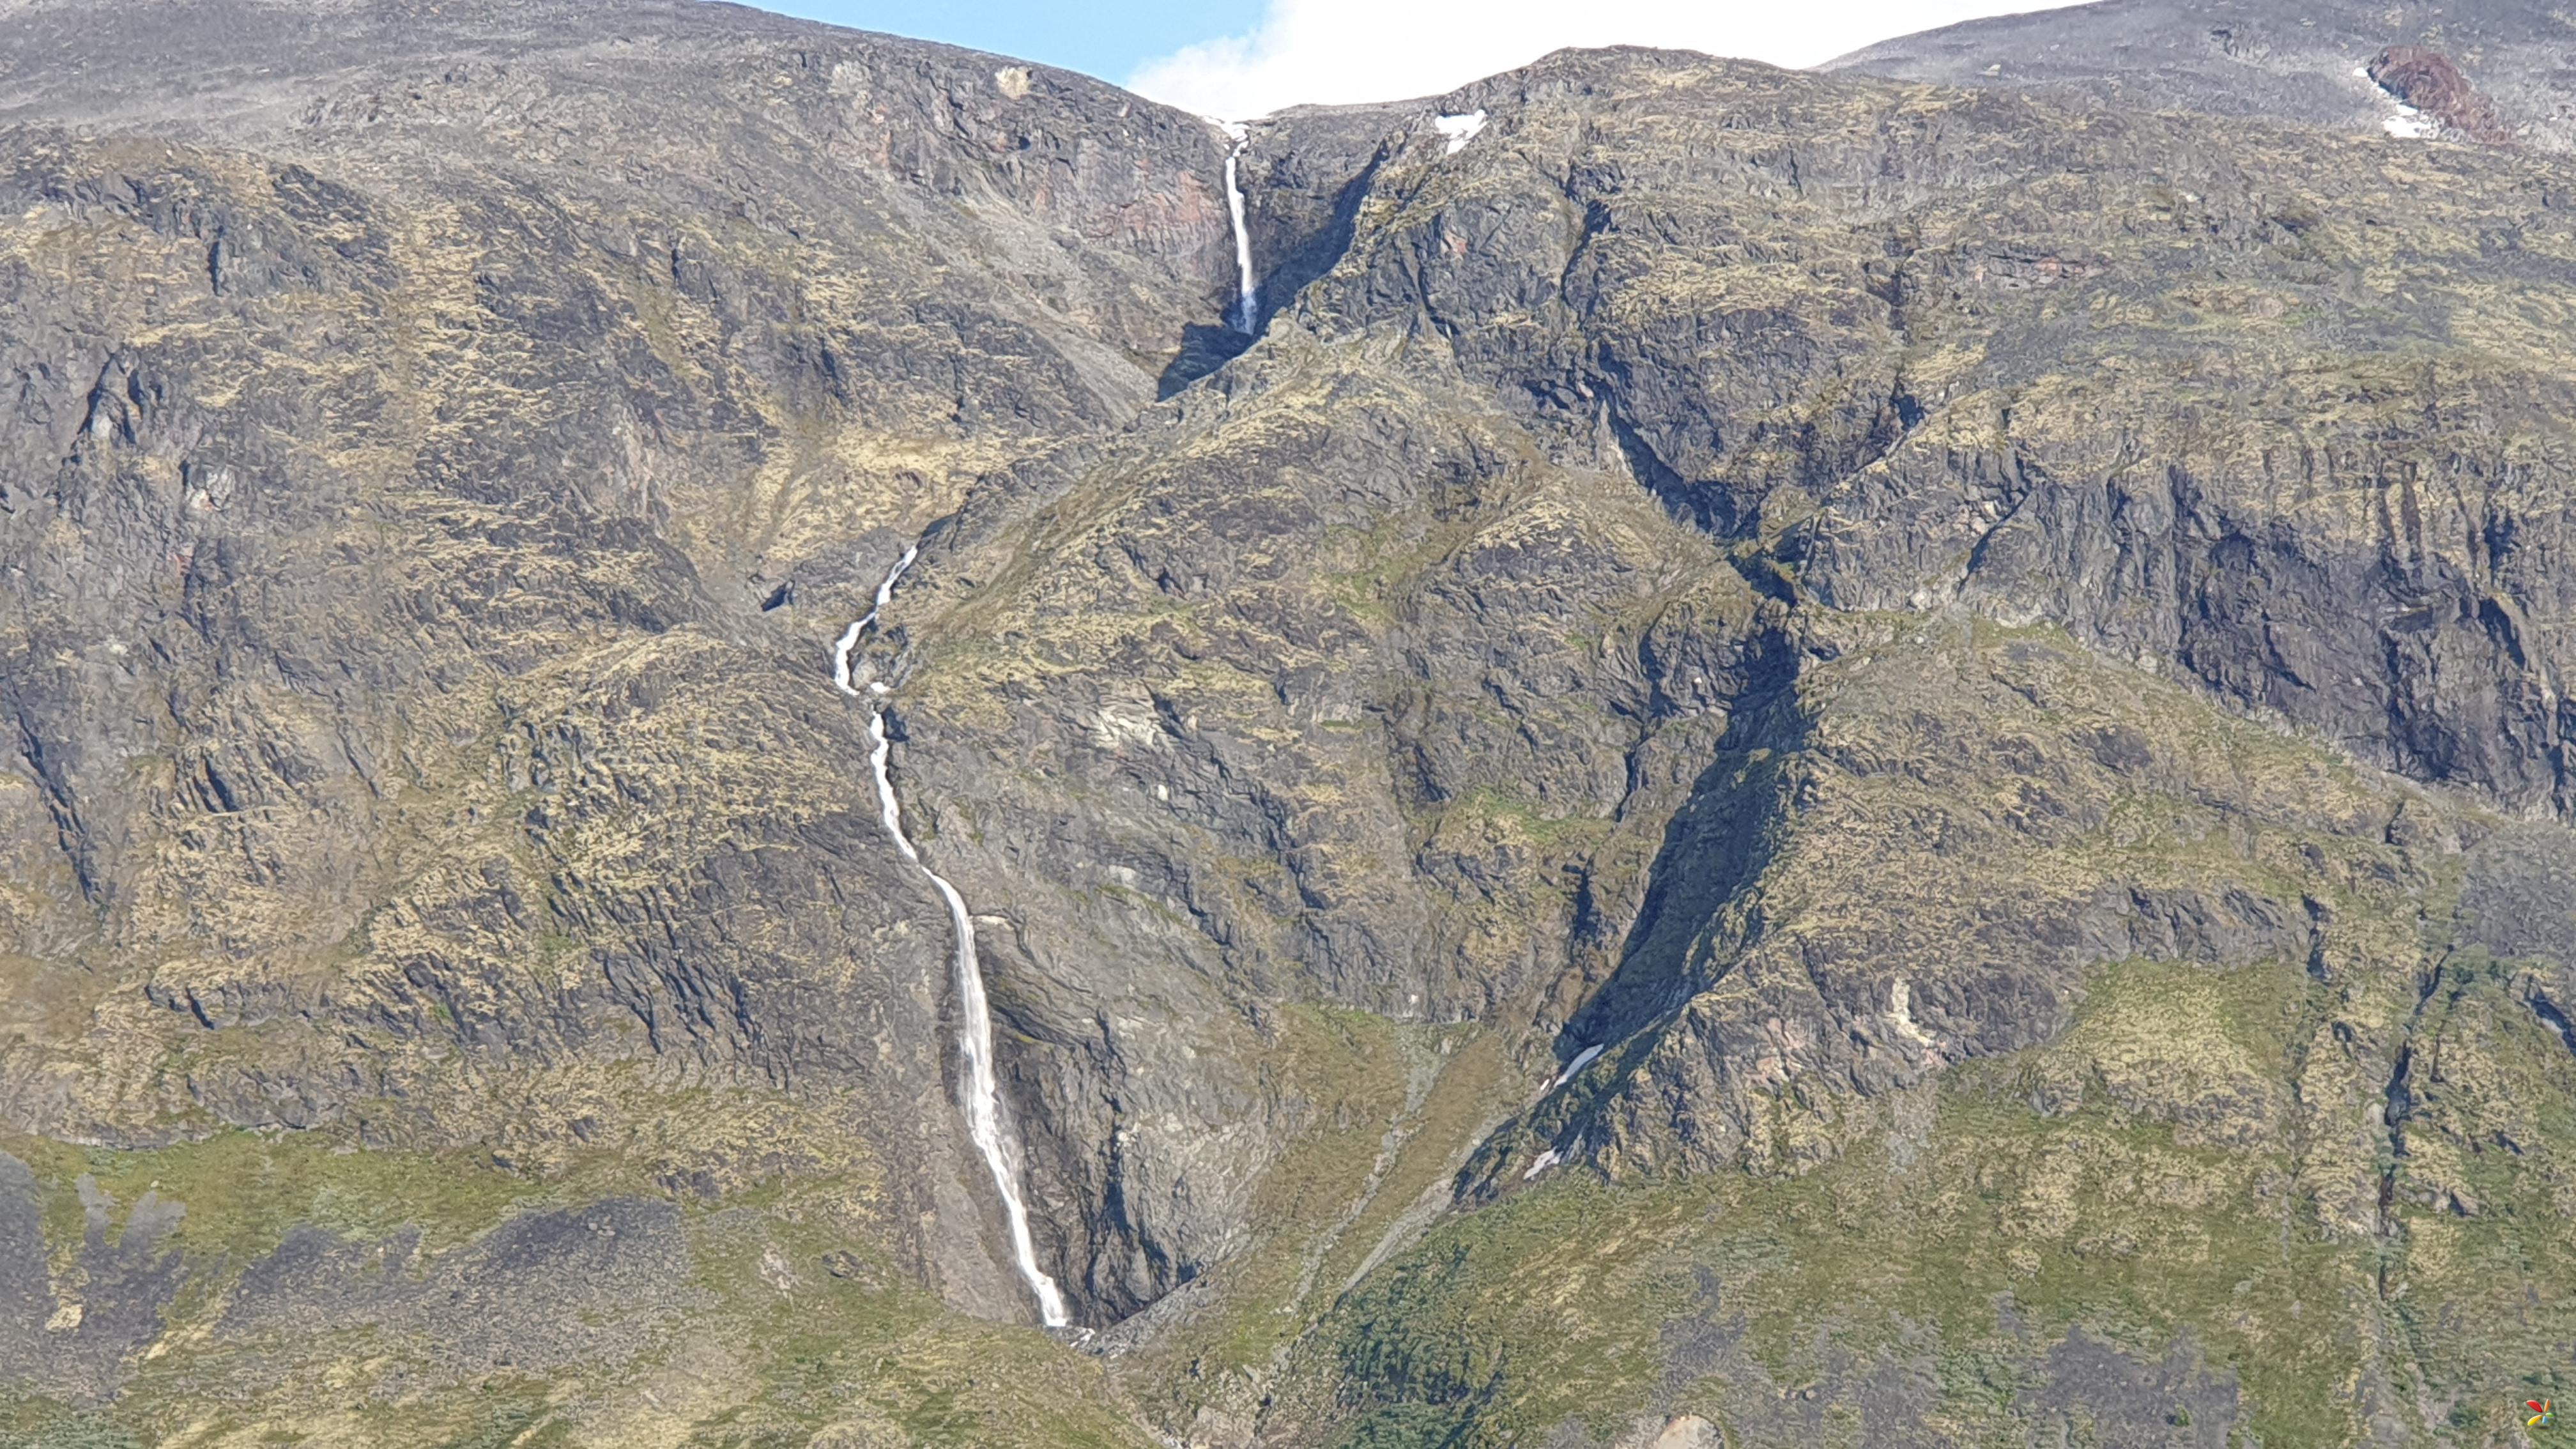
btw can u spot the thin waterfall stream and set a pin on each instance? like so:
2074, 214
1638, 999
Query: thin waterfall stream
982, 1089
1247, 305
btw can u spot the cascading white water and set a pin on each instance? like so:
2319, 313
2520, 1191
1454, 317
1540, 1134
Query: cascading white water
850, 638
1247, 305
982, 1089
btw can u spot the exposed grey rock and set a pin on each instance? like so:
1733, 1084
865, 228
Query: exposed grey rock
2309, 62
2519, 897
1644, 599
544, 1293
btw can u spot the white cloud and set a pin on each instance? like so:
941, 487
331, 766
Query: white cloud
1337, 51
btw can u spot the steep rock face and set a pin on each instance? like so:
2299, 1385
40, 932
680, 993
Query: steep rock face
1941, 325
2311, 63
1765, 703
1305, 635
433, 475
1879, 909
1959, 1161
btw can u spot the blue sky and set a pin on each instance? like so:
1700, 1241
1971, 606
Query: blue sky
1106, 38
1244, 58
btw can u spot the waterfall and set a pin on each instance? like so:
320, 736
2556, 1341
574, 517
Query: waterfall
982, 1089
1247, 305
850, 639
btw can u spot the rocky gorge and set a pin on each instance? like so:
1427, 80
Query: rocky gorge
1734, 756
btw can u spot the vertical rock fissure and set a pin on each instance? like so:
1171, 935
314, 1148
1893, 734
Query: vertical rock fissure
980, 1090
1247, 303
2398, 1099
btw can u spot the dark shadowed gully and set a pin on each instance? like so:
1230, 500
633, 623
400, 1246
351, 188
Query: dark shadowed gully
1771, 758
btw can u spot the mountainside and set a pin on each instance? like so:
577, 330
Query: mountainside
1771, 759
2499, 70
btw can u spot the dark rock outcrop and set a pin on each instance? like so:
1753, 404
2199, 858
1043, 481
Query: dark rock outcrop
2318, 63
1739, 647
2428, 81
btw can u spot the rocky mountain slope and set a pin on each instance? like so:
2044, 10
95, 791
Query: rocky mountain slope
2504, 67
1783, 758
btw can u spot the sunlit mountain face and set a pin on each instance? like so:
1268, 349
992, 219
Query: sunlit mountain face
730, 733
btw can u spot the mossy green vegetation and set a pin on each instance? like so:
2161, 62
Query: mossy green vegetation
1968, 1233
802, 1327
2284, 1177
1856, 610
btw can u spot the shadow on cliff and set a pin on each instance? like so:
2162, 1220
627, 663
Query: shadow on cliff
1302, 189
1204, 349
1715, 846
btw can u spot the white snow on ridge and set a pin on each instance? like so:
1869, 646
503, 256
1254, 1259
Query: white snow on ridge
2403, 121
1460, 130
1546, 1160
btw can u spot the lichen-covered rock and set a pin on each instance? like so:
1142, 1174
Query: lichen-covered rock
1783, 751
2344, 64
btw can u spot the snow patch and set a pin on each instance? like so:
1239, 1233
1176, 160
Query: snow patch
1546, 1160
2403, 121
1581, 1060
1460, 130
